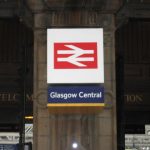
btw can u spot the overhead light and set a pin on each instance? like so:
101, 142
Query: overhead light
75, 145
148, 132
29, 117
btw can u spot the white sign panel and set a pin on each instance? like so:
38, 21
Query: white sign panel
75, 56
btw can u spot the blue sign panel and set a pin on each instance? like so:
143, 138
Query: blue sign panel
8, 147
75, 94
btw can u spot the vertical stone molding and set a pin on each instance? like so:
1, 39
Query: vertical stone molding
41, 114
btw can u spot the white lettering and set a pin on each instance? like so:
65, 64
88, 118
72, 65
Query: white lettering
83, 95
75, 57
90, 95
62, 95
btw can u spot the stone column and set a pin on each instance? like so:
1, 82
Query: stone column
58, 132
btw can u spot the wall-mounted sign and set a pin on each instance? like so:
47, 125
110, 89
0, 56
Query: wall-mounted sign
75, 56
75, 96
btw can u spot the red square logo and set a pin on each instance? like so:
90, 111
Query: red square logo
81, 55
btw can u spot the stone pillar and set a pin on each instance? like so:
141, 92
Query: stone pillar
58, 132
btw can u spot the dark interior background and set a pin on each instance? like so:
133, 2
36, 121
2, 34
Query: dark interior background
15, 38
133, 54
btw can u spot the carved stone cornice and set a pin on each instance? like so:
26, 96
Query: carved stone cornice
19, 8
39, 6
36, 5
133, 9
8, 8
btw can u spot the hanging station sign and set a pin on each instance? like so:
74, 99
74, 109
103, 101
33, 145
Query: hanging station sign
75, 56
74, 59
75, 95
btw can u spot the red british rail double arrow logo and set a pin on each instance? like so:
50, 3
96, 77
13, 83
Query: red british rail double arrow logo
81, 55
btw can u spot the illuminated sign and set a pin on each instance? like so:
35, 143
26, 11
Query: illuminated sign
85, 95
75, 56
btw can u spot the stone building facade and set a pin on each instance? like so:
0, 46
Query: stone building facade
91, 131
